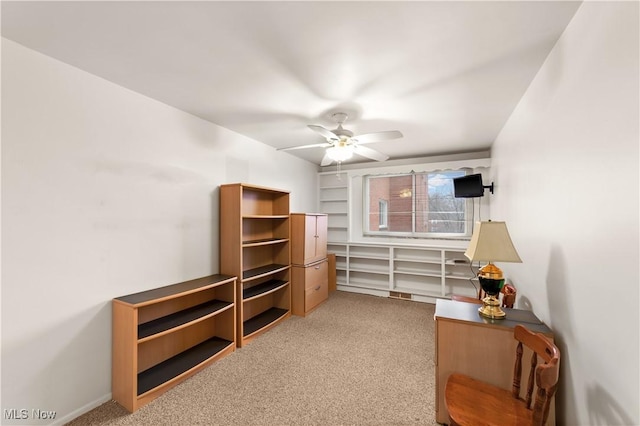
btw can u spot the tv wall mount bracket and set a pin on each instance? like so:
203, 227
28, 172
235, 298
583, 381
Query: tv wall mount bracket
489, 186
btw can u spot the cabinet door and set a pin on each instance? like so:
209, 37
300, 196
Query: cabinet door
316, 285
309, 236
321, 236
309, 239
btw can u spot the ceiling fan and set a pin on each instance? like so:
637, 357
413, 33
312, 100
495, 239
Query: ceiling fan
341, 144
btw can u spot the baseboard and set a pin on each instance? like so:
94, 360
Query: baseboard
425, 299
390, 294
82, 410
370, 291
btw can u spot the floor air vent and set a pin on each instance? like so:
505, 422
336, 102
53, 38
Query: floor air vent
399, 295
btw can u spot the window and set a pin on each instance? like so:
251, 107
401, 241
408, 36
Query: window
415, 205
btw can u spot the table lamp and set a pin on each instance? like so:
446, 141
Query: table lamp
491, 242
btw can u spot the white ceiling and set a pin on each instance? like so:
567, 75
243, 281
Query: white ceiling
447, 74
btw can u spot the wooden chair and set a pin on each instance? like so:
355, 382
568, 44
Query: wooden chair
508, 297
467, 299
473, 402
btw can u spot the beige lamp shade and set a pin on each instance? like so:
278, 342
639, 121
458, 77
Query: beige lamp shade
491, 242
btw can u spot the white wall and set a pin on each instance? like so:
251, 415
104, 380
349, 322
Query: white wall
104, 193
566, 172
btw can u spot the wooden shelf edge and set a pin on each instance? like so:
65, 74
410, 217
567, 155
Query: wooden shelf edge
165, 293
263, 271
266, 288
253, 187
266, 242
265, 216
227, 305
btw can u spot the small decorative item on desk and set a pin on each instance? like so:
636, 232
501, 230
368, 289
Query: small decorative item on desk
491, 242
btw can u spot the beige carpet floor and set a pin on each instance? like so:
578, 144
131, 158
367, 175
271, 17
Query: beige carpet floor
356, 360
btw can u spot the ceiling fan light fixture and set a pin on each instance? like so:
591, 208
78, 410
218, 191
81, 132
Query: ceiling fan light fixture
341, 143
340, 153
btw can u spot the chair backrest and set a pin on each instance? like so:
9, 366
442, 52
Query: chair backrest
508, 296
467, 299
543, 375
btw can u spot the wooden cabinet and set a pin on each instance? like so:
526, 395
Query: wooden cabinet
310, 286
308, 238
162, 336
255, 247
479, 347
310, 272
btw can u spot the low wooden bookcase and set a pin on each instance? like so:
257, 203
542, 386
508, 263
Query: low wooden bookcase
165, 335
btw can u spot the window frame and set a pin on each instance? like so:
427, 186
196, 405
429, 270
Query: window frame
469, 211
351, 175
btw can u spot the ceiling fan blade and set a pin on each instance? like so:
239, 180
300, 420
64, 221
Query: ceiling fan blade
314, 145
324, 132
370, 153
326, 160
378, 136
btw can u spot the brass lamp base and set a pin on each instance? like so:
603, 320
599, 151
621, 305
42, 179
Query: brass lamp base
491, 281
491, 308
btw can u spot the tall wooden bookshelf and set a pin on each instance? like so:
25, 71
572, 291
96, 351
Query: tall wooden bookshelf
255, 247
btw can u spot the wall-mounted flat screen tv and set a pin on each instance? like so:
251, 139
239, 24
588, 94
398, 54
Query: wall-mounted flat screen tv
469, 186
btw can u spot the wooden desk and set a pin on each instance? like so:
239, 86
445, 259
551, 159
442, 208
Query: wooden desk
479, 347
